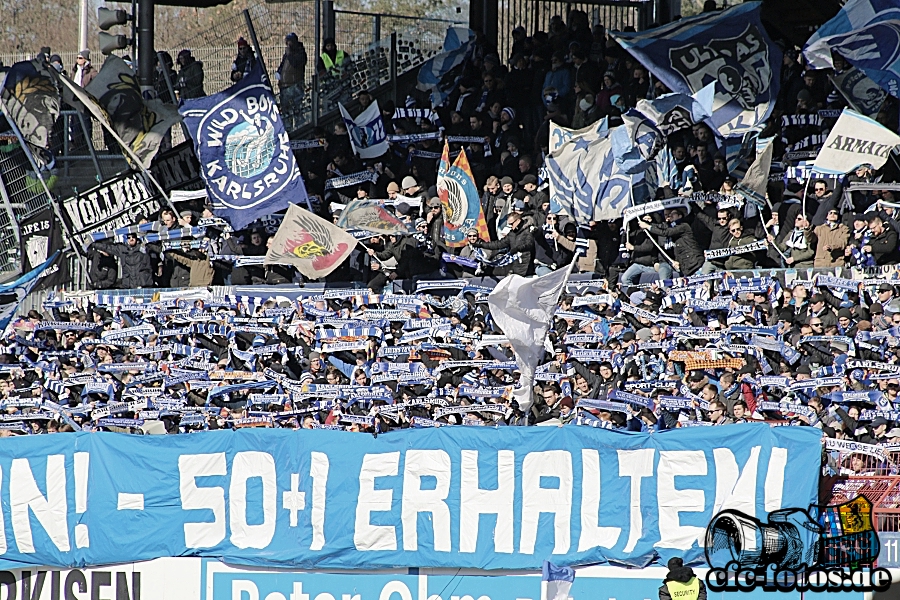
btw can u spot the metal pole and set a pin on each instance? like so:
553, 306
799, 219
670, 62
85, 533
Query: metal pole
256, 47
376, 28
83, 25
90, 145
317, 25
171, 88
146, 54
394, 66
50, 199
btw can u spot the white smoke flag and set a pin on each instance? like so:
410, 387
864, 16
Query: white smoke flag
855, 140
523, 309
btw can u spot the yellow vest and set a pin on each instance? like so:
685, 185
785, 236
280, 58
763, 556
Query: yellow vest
684, 591
335, 65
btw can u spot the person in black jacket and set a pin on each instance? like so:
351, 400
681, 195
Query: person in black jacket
644, 257
687, 254
103, 269
137, 268
519, 239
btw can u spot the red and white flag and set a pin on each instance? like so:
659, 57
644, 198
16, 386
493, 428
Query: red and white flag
310, 243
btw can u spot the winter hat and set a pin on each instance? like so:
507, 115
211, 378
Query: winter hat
393, 187
242, 42
85, 54
409, 182
509, 112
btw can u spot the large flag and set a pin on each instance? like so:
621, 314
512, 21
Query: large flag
40, 237
730, 48
31, 100
556, 581
371, 215
586, 181
855, 140
753, 185
867, 34
244, 152
12, 294
140, 123
459, 200
433, 74
523, 308
366, 131
310, 243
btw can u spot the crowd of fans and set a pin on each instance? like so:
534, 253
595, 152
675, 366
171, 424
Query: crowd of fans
650, 335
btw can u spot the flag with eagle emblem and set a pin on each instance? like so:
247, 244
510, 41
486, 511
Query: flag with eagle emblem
371, 215
31, 100
459, 200
310, 243
140, 123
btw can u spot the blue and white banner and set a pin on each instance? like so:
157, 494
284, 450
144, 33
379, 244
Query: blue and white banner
244, 151
730, 48
673, 112
366, 131
867, 34
450, 497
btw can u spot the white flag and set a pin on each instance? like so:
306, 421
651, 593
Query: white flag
366, 131
855, 140
523, 309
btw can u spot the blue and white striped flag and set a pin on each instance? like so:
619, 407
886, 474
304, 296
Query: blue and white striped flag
556, 581
867, 34
457, 43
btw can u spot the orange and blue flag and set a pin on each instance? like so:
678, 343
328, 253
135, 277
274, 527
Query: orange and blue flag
459, 200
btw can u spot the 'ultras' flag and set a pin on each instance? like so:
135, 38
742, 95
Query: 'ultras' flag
459, 200
730, 48
310, 243
855, 140
32, 101
366, 131
140, 123
245, 154
371, 215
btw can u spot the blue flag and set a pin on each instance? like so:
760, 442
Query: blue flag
432, 75
730, 48
867, 34
12, 294
244, 151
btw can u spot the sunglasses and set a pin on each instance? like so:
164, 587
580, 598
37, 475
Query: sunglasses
735, 229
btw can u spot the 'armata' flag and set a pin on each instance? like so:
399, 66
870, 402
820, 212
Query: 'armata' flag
867, 34
371, 215
41, 237
245, 154
730, 48
459, 200
140, 123
310, 243
855, 140
31, 99
12, 294
366, 131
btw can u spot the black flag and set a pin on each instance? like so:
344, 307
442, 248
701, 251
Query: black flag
41, 236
